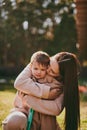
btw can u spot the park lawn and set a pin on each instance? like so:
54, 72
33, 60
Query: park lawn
83, 117
6, 100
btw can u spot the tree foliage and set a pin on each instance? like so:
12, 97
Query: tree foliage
28, 26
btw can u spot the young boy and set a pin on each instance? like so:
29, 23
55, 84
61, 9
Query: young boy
36, 74
39, 65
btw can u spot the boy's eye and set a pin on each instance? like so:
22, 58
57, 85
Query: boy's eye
43, 69
35, 68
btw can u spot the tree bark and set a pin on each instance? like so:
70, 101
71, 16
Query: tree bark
81, 23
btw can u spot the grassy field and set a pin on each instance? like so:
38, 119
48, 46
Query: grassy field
83, 116
6, 100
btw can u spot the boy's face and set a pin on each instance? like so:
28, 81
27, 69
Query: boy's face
38, 71
53, 69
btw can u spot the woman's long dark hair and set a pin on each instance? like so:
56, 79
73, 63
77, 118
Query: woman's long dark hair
68, 70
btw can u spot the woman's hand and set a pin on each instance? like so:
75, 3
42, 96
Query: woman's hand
54, 92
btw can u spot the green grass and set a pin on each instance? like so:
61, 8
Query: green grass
83, 116
6, 100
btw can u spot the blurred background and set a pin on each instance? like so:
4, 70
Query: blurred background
53, 26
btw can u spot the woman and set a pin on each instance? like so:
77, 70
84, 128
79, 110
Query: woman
68, 67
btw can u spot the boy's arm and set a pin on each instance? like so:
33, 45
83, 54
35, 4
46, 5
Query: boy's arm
49, 107
17, 100
25, 84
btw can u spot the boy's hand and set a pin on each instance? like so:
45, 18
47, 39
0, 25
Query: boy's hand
54, 93
21, 94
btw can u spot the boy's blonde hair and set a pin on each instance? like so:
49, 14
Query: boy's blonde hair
41, 57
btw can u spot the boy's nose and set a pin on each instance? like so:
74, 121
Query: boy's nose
39, 71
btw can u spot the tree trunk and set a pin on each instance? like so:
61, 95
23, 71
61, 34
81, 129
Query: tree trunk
81, 23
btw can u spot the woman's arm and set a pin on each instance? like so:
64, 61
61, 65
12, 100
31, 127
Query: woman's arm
49, 107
